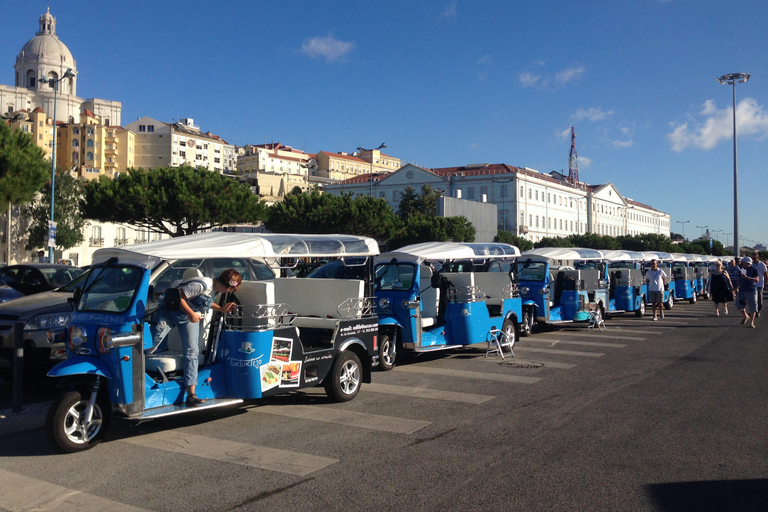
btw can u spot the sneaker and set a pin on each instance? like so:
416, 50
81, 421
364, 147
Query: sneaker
662, 314
717, 313
726, 311
743, 322
752, 326
655, 319
193, 400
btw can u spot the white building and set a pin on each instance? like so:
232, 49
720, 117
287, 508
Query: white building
530, 204
160, 144
45, 56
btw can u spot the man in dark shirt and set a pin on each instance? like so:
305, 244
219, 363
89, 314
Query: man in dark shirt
747, 299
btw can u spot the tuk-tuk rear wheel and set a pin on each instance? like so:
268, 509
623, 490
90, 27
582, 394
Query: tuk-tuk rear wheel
670, 303
343, 383
510, 330
387, 352
64, 422
641, 310
526, 328
692, 300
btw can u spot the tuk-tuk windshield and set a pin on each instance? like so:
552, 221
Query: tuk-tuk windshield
110, 289
394, 276
531, 271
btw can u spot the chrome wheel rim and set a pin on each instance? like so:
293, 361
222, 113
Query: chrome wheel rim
75, 428
349, 377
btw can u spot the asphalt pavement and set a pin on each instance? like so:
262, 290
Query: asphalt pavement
666, 415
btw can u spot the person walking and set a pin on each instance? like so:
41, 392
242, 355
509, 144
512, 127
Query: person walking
720, 288
762, 273
747, 298
655, 276
734, 271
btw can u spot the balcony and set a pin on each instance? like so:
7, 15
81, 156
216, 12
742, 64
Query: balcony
121, 241
139, 240
96, 242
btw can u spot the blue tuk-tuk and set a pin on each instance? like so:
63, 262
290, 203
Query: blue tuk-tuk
564, 284
664, 260
683, 268
285, 334
443, 295
702, 269
628, 289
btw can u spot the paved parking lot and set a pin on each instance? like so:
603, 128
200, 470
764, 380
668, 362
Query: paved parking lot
636, 417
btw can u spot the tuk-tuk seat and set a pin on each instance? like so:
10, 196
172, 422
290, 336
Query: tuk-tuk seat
429, 298
495, 285
316, 301
172, 359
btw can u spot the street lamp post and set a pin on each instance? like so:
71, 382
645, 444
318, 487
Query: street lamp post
55, 84
683, 222
733, 79
726, 237
361, 149
702, 230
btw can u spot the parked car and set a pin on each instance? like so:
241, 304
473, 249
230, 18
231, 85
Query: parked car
40, 313
7, 293
250, 269
31, 278
350, 268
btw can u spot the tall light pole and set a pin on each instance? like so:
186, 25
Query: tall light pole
733, 79
702, 230
683, 222
55, 84
726, 237
361, 149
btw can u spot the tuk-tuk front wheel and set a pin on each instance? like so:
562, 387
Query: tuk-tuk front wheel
692, 300
670, 303
387, 352
65, 423
343, 383
526, 328
510, 331
641, 310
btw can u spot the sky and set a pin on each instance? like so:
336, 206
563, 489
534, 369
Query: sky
448, 83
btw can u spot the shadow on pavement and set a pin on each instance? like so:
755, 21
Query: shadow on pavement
712, 495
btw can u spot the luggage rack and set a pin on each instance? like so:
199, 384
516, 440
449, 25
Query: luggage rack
260, 317
357, 307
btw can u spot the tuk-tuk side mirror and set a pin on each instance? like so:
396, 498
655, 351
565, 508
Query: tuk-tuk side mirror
75, 299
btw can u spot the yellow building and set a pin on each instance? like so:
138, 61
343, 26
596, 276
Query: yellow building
342, 166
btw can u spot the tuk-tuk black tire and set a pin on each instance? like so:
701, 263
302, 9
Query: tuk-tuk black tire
385, 342
670, 303
692, 300
526, 327
510, 329
345, 362
57, 417
641, 310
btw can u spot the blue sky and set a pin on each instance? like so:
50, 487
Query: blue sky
452, 82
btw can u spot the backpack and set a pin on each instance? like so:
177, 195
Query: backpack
173, 294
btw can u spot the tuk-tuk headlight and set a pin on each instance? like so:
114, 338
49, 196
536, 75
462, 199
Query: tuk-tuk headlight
384, 303
543, 291
524, 290
77, 337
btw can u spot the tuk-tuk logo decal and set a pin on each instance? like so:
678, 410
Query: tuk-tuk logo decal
247, 348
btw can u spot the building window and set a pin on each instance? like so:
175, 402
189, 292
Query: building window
537, 221
142, 128
151, 128
530, 219
470, 192
530, 194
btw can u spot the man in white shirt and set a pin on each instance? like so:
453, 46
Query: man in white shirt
655, 276
762, 273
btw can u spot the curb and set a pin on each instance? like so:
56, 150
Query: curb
31, 417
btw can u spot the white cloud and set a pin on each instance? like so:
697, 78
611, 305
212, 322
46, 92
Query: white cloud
593, 114
527, 79
569, 74
584, 162
561, 78
328, 47
450, 10
717, 125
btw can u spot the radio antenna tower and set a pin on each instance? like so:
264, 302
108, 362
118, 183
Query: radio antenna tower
573, 164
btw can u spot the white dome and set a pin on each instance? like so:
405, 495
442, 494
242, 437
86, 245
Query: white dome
44, 55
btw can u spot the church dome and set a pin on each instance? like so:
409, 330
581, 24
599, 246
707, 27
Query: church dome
44, 54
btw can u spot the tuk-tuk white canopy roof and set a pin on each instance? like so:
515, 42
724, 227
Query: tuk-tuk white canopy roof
563, 253
442, 251
679, 256
658, 256
245, 245
622, 255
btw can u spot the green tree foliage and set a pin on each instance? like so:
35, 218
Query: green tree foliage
175, 201
506, 237
301, 212
422, 203
67, 205
433, 229
24, 168
648, 242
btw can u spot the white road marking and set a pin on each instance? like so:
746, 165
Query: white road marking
584, 343
601, 334
22, 493
348, 418
436, 394
559, 352
464, 374
231, 452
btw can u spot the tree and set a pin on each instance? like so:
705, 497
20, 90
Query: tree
24, 168
434, 229
174, 201
506, 237
422, 203
326, 213
67, 213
